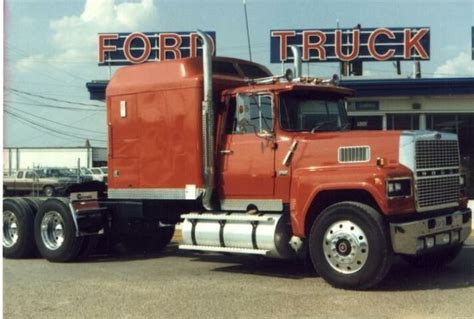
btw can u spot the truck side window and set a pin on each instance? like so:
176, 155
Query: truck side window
19, 175
254, 113
28, 175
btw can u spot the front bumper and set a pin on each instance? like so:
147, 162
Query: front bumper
418, 237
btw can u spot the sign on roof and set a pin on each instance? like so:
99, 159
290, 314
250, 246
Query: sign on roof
139, 47
364, 44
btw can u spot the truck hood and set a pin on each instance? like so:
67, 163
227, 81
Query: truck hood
348, 148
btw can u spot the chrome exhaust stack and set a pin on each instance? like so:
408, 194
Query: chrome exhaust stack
297, 61
207, 122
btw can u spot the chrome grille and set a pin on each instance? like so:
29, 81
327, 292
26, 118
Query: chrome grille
436, 153
442, 191
437, 174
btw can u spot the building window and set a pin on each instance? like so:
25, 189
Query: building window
463, 125
442, 122
403, 121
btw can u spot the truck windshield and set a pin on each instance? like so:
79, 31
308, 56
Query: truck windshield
303, 111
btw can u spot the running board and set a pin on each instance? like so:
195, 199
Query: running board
233, 250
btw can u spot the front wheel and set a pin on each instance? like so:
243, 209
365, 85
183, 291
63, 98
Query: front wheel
349, 246
55, 232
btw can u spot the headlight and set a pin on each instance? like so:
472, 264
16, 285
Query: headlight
399, 187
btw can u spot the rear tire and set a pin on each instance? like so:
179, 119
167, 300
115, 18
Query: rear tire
159, 242
18, 240
129, 244
434, 260
55, 232
349, 246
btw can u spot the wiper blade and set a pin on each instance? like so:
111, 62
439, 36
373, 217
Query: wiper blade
319, 125
345, 126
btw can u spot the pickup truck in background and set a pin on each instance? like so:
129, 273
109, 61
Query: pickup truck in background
36, 182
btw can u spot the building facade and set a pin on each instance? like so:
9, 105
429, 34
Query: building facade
439, 104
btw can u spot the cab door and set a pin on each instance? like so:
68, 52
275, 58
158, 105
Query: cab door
247, 155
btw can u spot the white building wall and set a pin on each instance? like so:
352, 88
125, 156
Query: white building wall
30, 158
24, 158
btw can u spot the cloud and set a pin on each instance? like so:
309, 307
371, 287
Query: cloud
460, 66
25, 64
75, 36
73, 32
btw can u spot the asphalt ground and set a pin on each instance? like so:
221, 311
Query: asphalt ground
182, 284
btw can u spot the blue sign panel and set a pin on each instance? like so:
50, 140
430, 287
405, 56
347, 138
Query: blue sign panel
139, 47
363, 44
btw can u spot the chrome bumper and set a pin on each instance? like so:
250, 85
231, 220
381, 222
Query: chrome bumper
424, 235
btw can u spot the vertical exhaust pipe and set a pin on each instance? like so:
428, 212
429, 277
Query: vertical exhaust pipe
207, 121
297, 61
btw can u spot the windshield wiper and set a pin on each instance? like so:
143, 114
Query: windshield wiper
320, 124
345, 126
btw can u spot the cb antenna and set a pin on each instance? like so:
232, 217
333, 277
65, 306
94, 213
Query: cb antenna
247, 26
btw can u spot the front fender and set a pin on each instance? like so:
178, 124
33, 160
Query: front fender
308, 183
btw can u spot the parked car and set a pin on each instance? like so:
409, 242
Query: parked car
85, 175
43, 182
105, 173
97, 174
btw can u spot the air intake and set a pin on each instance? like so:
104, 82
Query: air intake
354, 154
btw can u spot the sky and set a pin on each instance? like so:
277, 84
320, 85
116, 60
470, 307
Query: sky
50, 49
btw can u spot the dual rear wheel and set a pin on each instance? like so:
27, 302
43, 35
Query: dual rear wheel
18, 220
51, 231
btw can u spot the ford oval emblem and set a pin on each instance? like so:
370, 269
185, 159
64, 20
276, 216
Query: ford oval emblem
437, 136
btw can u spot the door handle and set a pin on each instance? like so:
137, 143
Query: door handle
227, 152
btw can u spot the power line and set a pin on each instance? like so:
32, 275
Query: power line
53, 99
38, 125
45, 131
55, 122
40, 104
48, 132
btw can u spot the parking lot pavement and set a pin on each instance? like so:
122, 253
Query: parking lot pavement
179, 284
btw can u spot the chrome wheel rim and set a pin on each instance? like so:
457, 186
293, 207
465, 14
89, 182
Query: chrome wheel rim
10, 229
345, 247
52, 230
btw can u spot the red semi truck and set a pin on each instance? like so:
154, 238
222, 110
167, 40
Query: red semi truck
252, 163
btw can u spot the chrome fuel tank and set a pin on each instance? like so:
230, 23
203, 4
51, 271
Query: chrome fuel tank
265, 234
